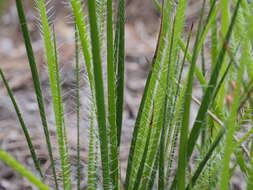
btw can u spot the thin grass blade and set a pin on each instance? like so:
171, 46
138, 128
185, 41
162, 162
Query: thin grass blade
8, 159
84, 39
23, 125
111, 84
208, 155
36, 83
120, 65
54, 79
77, 101
92, 162
99, 89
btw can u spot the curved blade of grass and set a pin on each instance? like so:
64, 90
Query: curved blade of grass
99, 89
36, 82
52, 62
8, 159
120, 65
208, 96
208, 155
23, 125
84, 39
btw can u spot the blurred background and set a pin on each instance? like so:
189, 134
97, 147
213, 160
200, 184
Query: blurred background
142, 27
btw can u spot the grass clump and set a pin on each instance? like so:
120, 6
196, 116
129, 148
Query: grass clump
163, 138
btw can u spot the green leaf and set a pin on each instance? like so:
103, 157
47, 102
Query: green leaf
144, 157
204, 161
183, 141
36, 83
119, 53
84, 39
92, 162
8, 159
23, 125
99, 89
54, 79
77, 101
111, 84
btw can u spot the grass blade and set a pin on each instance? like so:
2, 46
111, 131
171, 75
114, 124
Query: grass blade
183, 141
77, 101
99, 88
142, 165
208, 155
8, 159
92, 176
112, 114
120, 65
36, 83
23, 125
53, 68
84, 39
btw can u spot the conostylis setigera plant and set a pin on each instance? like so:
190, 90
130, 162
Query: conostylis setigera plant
163, 141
